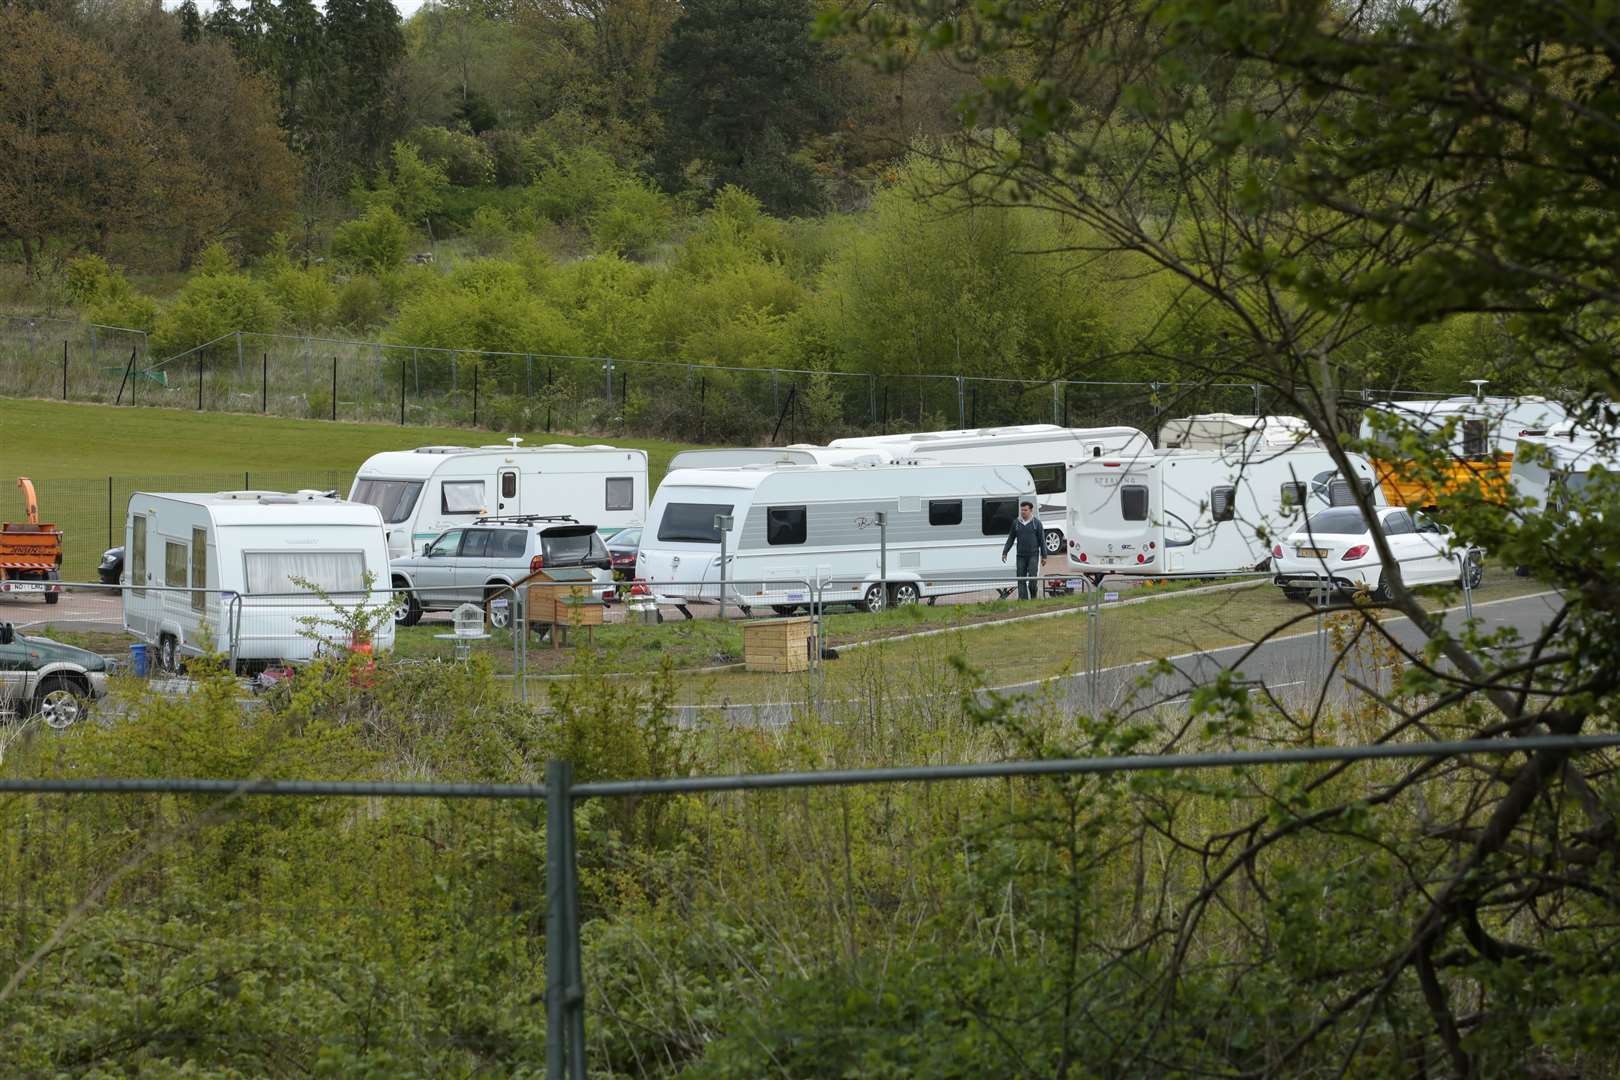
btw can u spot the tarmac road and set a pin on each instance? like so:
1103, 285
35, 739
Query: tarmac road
1292, 668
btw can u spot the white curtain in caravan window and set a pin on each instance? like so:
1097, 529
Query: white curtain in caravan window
463, 497
331, 571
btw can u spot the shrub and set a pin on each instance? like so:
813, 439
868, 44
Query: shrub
417, 185
464, 160
373, 242
630, 219
490, 232
573, 186
211, 306
122, 306
86, 277
306, 297
360, 303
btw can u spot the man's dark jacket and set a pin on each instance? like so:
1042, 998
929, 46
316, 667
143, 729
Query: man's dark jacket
1027, 535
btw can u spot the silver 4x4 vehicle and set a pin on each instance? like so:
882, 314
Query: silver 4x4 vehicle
474, 564
44, 678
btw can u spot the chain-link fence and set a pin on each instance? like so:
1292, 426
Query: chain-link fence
335, 379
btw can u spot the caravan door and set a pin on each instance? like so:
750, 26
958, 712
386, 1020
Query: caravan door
508, 501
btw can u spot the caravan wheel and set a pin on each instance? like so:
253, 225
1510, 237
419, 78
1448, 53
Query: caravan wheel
1052, 540
904, 592
874, 600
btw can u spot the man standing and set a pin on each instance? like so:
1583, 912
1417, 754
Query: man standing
1026, 533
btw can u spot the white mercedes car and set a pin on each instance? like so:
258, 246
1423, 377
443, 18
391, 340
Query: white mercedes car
1336, 546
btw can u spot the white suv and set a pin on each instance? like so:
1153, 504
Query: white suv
477, 563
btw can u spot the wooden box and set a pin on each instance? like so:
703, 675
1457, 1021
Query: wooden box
778, 644
566, 599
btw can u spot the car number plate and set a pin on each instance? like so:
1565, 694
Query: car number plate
1311, 553
25, 586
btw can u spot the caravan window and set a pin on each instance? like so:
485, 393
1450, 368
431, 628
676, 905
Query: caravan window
621, 493
691, 523
508, 485
945, 512
997, 516
199, 569
1293, 494
1133, 502
462, 497
785, 525
137, 553
1476, 439
1050, 479
281, 571
395, 499
1340, 493
175, 564
1223, 503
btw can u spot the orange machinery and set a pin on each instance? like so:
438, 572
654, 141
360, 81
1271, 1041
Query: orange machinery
31, 552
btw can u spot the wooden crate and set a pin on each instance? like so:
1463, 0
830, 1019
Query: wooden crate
563, 602
779, 645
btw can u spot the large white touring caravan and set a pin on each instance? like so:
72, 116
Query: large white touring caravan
731, 457
817, 524
1044, 449
239, 557
425, 491
1197, 511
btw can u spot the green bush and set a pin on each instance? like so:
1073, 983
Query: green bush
86, 277
373, 242
306, 297
122, 306
573, 186
209, 306
490, 231
630, 219
360, 303
465, 161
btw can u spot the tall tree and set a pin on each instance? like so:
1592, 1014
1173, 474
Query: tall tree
364, 46
80, 159
745, 86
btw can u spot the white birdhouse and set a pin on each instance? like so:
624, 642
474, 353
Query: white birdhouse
469, 621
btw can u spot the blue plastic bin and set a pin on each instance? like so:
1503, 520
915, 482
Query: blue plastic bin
137, 655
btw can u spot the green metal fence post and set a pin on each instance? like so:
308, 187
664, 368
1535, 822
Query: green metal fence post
565, 981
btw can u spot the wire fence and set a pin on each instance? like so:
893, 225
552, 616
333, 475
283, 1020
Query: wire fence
335, 379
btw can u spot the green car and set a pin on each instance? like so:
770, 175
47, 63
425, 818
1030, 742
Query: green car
44, 678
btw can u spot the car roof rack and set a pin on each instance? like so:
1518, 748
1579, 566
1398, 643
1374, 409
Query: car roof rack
528, 519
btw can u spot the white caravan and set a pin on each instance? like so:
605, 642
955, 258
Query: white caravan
425, 491
1198, 511
1215, 431
794, 525
239, 556
1563, 465
797, 454
1044, 449
1486, 426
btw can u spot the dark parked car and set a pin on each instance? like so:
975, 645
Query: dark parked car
112, 566
622, 548
44, 678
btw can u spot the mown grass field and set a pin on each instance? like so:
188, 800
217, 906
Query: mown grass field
70, 451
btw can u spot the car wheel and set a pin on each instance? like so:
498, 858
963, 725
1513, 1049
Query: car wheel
59, 703
1473, 571
874, 600
168, 653
1383, 594
500, 615
51, 597
407, 609
1052, 540
1296, 594
904, 593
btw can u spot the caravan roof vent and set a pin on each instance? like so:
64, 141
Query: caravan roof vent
442, 449
245, 495
278, 498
